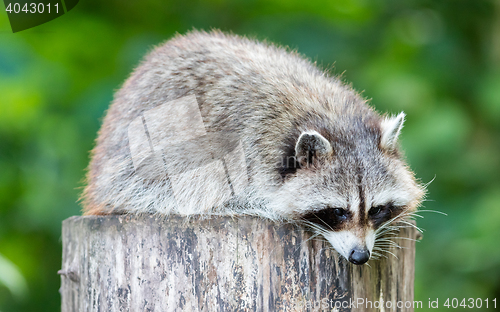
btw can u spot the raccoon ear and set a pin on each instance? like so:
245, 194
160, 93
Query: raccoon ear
390, 128
311, 145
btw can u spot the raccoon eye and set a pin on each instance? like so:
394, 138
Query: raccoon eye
384, 213
340, 213
329, 218
375, 210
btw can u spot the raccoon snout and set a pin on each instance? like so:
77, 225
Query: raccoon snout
359, 255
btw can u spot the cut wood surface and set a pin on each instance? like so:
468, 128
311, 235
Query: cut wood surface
153, 263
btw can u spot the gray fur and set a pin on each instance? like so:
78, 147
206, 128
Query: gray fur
268, 97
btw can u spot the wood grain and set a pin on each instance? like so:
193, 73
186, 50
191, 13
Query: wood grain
152, 263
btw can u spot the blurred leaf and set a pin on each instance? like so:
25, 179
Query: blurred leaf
11, 278
489, 99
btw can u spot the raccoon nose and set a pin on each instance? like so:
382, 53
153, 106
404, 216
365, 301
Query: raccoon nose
359, 256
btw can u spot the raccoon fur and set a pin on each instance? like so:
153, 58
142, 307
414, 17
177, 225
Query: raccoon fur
313, 150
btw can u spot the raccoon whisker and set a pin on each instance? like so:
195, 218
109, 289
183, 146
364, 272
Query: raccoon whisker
428, 200
393, 227
387, 251
388, 237
409, 215
392, 246
316, 237
413, 214
398, 226
317, 227
388, 247
402, 224
313, 237
405, 224
390, 230
381, 254
314, 226
400, 247
393, 237
378, 254
412, 225
434, 211
389, 222
387, 231
429, 183
416, 214
329, 227
402, 227
405, 238
384, 234
381, 231
388, 243
292, 222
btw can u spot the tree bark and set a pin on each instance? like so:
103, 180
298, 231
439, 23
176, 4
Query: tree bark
155, 263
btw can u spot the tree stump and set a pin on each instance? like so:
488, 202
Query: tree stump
174, 263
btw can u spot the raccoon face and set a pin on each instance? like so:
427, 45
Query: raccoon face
349, 192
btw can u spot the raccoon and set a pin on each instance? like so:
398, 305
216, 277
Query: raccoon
308, 148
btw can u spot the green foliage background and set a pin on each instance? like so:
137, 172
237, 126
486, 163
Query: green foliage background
439, 61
